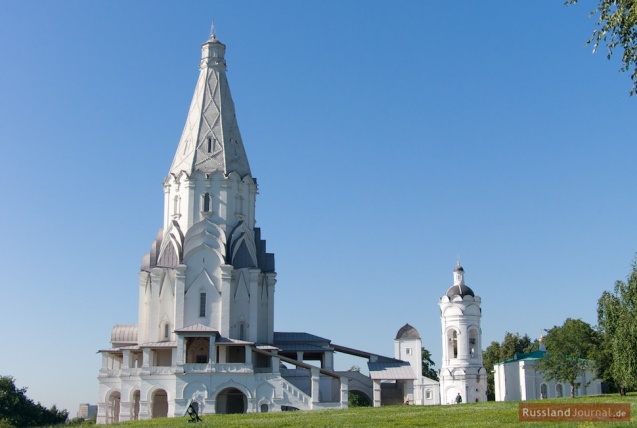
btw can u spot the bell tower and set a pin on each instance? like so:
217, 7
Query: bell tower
462, 372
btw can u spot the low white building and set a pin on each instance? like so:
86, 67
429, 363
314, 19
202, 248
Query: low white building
407, 347
519, 379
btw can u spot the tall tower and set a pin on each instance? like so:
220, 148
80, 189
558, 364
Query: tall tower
208, 265
462, 371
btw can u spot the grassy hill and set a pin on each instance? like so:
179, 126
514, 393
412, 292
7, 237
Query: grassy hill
464, 415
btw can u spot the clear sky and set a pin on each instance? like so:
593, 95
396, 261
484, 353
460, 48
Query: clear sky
388, 138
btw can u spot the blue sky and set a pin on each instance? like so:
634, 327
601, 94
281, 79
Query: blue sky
389, 139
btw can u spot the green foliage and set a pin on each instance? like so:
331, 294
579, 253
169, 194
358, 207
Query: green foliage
570, 349
19, 411
428, 364
497, 352
357, 399
617, 319
617, 26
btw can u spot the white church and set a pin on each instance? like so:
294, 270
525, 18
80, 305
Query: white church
205, 331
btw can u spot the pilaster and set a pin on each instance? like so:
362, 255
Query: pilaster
253, 321
226, 292
180, 293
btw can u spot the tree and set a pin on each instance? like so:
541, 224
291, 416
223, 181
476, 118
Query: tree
569, 352
617, 26
512, 344
617, 319
428, 364
19, 411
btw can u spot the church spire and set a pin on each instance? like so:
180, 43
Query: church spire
211, 140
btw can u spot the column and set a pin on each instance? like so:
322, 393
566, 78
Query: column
276, 362
248, 351
126, 359
376, 398
179, 358
212, 350
146, 358
315, 373
344, 391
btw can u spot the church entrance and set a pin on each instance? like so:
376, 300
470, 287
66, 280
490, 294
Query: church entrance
160, 404
231, 400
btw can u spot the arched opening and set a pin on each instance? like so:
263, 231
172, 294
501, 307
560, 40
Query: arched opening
358, 399
543, 391
134, 409
112, 412
197, 350
265, 408
473, 343
558, 390
159, 404
452, 344
231, 400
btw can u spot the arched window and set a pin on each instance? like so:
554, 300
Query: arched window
167, 331
176, 205
202, 304
543, 391
452, 344
473, 343
207, 202
242, 331
239, 204
558, 390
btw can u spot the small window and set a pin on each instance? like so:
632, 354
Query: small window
207, 203
209, 145
242, 332
202, 304
428, 394
166, 331
408, 351
264, 408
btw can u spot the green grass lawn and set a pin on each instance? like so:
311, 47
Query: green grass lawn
464, 415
